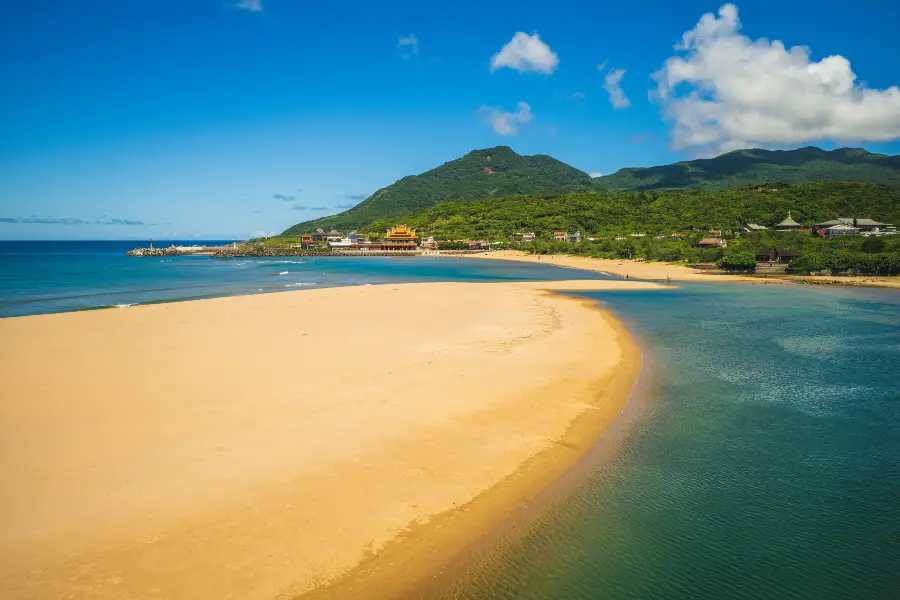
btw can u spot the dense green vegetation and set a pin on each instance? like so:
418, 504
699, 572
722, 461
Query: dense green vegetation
881, 263
819, 254
651, 212
743, 168
466, 179
461, 179
737, 261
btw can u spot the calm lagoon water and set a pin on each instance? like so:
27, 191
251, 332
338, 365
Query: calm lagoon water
763, 461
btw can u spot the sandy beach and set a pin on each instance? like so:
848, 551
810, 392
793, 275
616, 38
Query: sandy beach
260, 447
678, 272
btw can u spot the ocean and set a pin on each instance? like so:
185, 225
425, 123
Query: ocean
760, 457
47, 277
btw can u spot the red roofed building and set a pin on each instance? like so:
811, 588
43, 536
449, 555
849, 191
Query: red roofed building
712, 243
488, 170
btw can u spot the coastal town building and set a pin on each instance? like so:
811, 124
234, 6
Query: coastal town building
528, 236
753, 227
788, 224
399, 237
840, 230
575, 238
864, 225
560, 236
428, 243
716, 233
712, 242
322, 236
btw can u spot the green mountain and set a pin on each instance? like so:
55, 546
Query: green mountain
654, 211
466, 178
743, 168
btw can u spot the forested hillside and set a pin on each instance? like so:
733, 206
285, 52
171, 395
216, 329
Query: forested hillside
742, 168
652, 212
479, 174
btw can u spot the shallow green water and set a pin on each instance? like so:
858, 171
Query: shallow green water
763, 462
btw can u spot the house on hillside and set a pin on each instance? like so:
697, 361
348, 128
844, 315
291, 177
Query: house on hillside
488, 170
333, 236
560, 236
865, 226
840, 230
574, 238
788, 224
715, 233
753, 228
528, 236
712, 242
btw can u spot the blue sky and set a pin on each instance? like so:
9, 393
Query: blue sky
221, 118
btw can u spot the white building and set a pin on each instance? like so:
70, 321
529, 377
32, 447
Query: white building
839, 230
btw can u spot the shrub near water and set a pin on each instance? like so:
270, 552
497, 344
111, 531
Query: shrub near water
881, 263
737, 261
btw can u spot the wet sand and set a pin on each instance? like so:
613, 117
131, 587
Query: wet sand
264, 446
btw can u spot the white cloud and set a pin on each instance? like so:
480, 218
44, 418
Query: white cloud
595, 174
724, 91
506, 123
525, 53
612, 85
409, 45
251, 5
577, 96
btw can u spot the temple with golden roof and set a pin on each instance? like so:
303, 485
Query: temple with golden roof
401, 233
400, 237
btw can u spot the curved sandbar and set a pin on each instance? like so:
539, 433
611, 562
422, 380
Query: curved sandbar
260, 446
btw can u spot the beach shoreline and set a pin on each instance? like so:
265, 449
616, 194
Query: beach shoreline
367, 480
658, 271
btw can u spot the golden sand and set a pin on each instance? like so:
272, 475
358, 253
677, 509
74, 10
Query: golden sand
633, 268
636, 269
258, 447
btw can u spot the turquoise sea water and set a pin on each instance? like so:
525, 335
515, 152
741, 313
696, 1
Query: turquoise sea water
44, 277
762, 462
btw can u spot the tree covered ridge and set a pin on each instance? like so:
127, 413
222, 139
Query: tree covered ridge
652, 212
742, 168
461, 179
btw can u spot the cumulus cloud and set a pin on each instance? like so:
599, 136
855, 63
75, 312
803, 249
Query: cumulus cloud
595, 174
356, 197
283, 197
722, 91
251, 5
408, 45
506, 123
33, 220
612, 83
526, 54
